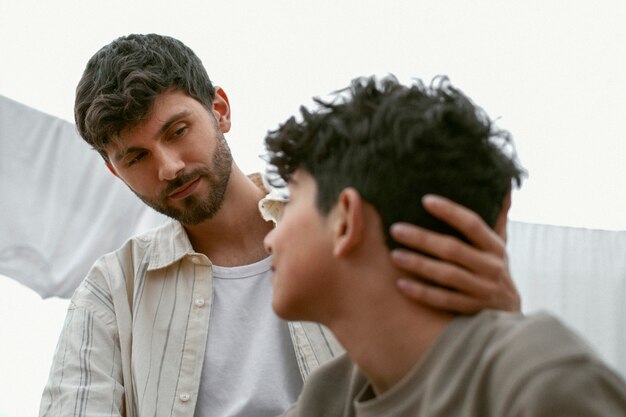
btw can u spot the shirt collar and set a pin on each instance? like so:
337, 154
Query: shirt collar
171, 242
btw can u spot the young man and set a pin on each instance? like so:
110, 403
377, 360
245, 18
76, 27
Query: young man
354, 167
178, 320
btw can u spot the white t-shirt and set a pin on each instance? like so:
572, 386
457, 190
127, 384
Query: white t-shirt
250, 367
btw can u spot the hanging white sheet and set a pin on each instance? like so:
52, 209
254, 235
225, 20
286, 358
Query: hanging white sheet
60, 208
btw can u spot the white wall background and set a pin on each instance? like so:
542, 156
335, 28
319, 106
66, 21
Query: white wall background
554, 72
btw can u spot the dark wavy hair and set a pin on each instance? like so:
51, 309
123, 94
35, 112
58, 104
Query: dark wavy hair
394, 144
123, 79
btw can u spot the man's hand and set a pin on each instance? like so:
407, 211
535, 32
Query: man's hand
467, 278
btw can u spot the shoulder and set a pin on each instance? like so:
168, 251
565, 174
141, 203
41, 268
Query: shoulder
512, 345
328, 389
576, 386
541, 366
339, 369
112, 277
535, 340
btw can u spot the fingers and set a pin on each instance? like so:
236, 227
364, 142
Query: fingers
444, 274
453, 286
439, 298
456, 302
470, 224
451, 274
448, 248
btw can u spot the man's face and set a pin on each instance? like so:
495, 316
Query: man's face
177, 160
301, 249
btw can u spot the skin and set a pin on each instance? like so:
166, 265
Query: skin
178, 162
160, 162
299, 248
480, 273
354, 286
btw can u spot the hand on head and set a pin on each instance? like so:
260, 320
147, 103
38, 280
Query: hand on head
458, 277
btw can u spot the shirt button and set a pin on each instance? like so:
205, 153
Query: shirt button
199, 302
184, 397
196, 260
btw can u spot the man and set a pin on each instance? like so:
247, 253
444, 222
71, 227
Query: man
357, 165
178, 320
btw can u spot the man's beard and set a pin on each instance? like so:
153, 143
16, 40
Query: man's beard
195, 209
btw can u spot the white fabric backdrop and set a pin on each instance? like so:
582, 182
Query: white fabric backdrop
579, 275
61, 209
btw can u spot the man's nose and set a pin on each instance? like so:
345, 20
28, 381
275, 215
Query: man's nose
170, 165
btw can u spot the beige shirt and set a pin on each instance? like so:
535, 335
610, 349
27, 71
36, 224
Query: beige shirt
494, 364
135, 334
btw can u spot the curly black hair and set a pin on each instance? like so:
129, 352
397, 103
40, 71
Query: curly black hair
394, 144
122, 80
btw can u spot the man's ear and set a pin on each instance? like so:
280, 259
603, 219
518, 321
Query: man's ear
221, 109
348, 222
111, 168
501, 222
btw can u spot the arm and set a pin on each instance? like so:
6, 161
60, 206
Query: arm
86, 373
459, 277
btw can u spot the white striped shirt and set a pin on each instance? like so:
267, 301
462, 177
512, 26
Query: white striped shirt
135, 334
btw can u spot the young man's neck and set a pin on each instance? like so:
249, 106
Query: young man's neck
384, 333
234, 236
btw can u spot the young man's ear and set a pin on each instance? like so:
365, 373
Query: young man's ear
221, 109
348, 222
111, 168
501, 222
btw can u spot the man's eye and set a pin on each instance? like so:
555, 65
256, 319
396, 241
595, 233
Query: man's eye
179, 132
138, 157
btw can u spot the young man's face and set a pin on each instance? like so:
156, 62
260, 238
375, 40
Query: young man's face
301, 249
177, 160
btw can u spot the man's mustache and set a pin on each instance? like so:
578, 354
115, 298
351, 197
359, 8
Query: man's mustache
180, 181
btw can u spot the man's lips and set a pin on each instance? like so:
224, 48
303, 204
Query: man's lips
185, 190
